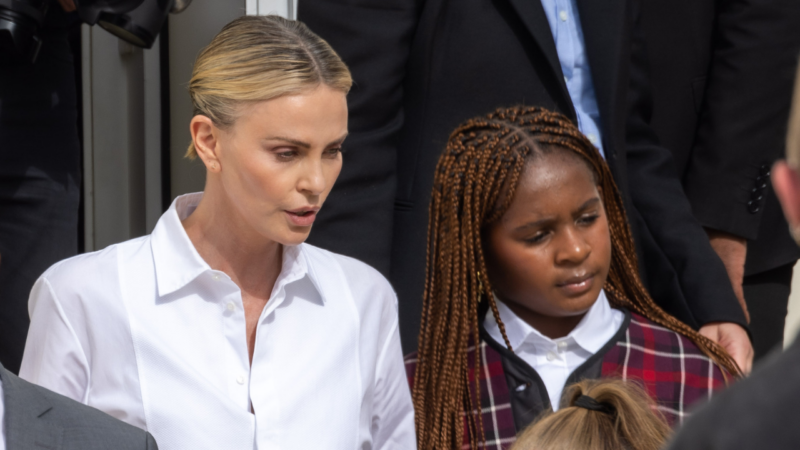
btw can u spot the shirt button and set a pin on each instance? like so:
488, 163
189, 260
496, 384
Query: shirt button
551, 356
216, 277
592, 138
562, 346
231, 307
240, 379
563, 16
566, 80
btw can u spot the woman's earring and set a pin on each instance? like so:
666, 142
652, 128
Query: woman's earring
214, 165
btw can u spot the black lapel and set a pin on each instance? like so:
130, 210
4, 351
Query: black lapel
24, 408
531, 13
603, 25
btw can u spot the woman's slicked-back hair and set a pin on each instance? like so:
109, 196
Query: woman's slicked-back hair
474, 184
257, 58
628, 420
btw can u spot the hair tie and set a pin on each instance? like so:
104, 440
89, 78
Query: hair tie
584, 401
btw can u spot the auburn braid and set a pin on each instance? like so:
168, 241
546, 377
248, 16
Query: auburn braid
474, 184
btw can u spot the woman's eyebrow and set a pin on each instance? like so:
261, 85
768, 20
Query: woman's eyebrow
289, 140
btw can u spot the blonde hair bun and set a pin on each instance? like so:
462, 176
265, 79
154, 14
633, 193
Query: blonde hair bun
256, 58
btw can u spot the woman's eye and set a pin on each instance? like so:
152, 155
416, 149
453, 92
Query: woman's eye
333, 151
588, 220
286, 155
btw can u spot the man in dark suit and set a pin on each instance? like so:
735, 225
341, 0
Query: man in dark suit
722, 75
423, 66
759, 412
33, 417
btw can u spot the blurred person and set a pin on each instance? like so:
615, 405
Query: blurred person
722, 76
760, 412
222, 329
421, 67
40, 173
532, 285
598, 415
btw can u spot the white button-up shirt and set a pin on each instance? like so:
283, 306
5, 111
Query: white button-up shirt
146, 331
555, 359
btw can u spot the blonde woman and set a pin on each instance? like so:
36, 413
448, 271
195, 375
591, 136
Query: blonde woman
607, 414
222, 329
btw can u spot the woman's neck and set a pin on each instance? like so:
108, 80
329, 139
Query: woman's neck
552, 327
228, 244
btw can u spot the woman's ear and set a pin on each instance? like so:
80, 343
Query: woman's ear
205, 136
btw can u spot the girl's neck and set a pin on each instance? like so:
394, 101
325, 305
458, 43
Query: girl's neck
552, 327
227, 244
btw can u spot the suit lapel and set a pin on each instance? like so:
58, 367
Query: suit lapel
603, 24
531, 12
24, 408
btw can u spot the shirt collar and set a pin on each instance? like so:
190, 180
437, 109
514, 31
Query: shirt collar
178, 263
591, 333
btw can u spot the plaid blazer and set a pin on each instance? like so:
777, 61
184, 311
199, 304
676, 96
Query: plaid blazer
668, 365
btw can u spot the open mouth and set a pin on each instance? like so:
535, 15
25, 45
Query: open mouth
302, 217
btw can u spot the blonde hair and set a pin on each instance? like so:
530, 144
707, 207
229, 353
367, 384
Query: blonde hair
256, 58
630, 421
793, 134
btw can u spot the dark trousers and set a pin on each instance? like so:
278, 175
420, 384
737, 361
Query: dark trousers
39, 183
767, 296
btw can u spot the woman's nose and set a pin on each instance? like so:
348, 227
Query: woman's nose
312, 180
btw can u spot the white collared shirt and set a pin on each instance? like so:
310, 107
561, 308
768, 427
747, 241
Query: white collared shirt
555, 359
146, 331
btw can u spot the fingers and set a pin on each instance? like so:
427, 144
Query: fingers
67, 5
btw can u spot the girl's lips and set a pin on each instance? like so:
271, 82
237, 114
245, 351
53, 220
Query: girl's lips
301, 218
577, 285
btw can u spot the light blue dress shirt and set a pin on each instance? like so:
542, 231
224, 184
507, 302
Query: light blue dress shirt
568, 35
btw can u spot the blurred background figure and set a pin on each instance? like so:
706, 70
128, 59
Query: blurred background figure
722, 74
760, 412
598, 415
40, 135
422, 67
40, 154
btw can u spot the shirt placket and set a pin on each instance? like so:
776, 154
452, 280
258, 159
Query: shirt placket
235, 331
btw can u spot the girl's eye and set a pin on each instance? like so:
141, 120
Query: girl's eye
588, 220
539, 237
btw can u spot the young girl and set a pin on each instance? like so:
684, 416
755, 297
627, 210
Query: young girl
527, 225
598, 415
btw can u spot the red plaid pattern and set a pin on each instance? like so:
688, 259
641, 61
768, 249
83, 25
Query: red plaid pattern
668, 365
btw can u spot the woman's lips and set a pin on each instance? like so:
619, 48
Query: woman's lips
577, 285
302, 218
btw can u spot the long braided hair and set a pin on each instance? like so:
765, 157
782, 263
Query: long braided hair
474, 184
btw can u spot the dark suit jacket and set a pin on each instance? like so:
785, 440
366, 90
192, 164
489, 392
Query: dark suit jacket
757, 413
722, 74
36, 418
423, 66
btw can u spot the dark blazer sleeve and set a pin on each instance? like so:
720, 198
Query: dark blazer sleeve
151, 442
660, 201
373, 37
742, 122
